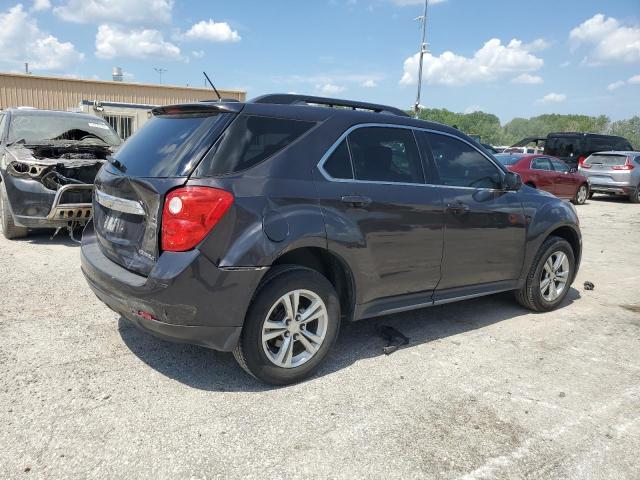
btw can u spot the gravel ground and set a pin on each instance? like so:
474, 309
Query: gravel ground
484, 390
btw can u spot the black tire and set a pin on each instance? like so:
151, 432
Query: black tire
279, 281
634, 197
577, 198
9, 229
529, 295
590, 196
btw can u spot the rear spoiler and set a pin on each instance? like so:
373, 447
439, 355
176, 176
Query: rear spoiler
201, 108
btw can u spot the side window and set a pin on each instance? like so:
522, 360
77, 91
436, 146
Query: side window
559, 165
385, 155
461, 165
249, 140
541, 163
338, 165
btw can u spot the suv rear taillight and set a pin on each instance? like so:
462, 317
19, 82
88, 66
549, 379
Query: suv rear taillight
189, 214
581, 160
627, 165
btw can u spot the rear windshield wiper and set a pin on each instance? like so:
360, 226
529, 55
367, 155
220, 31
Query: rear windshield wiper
116, 163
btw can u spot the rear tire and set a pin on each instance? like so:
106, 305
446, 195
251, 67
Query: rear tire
539, 296
634, 197
9, 229
581, 195
279, 345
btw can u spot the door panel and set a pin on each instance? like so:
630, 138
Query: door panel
565, 182
543, 175
484, 226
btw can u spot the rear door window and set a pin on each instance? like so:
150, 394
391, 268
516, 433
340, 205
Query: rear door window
338, 165
563, 146
385, 155
249, 140
608, 144
559, 165
461, 165
541, 163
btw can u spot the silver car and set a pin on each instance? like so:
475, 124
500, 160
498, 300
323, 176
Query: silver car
613, 172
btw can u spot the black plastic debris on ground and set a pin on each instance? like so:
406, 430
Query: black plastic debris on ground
589, 285
394, 338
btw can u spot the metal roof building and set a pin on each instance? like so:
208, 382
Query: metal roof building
123, 104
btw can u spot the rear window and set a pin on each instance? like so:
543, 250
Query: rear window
506, 159
170, 145
606, 160
249, 140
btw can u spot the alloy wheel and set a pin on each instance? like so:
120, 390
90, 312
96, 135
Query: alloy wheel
555, 276
582, 194
295, 328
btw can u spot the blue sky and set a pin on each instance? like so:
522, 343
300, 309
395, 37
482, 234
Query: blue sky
511, 58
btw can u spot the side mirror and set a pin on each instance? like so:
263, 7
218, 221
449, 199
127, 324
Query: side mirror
512, 181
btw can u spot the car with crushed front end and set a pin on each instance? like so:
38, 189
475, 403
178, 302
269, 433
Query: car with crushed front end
48, 161
614, 173
259, 227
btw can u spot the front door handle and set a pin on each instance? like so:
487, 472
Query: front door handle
357, 201
458, 208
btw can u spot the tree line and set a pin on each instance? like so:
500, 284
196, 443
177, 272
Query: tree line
491, 131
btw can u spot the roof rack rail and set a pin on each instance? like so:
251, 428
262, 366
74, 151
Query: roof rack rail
291, 99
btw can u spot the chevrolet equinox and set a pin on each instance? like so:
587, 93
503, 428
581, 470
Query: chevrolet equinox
258, 227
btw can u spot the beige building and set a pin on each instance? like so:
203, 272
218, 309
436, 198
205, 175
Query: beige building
124, 105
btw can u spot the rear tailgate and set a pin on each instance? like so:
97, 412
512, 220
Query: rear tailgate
130, 191
604, 168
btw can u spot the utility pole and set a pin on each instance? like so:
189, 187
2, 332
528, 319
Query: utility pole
160, 71
423, 50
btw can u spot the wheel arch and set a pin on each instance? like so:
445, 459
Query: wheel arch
331, 266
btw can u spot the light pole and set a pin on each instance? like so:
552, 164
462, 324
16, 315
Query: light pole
423, 50
160, 71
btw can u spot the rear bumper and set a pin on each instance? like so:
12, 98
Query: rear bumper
185, 298
621, 189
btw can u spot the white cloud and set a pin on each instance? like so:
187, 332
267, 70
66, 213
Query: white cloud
114, 42
615, 85
553, 98
139, 12
528, 79
197, 53
41, 5
635, 80
330, 89
21, 40
610, 41
492, 61
212, 32
369, 83
537, 45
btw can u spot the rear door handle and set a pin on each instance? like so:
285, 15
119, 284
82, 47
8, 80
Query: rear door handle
458, 208
357, 201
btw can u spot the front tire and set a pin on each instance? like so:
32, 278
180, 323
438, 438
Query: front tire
9, 229
581, 195
290, 327
550, 276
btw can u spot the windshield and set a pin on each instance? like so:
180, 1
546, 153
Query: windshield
507, 159
51, 128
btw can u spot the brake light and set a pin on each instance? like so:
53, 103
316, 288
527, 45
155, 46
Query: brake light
189, 214
627, 165
581, 160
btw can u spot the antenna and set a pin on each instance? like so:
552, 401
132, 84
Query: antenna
423, 50
212, 85
160, 71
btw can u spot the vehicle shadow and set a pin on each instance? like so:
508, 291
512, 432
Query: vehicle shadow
209, 370
46, 237
611, 198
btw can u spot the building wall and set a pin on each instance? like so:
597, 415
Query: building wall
60, 93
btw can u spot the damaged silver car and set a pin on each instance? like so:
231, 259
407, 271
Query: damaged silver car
48, 163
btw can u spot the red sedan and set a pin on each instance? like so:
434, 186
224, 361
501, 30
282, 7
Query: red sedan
548, 173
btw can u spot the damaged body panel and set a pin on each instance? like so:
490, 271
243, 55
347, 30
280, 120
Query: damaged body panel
48, 165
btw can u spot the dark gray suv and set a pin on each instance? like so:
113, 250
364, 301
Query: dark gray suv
258, 227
